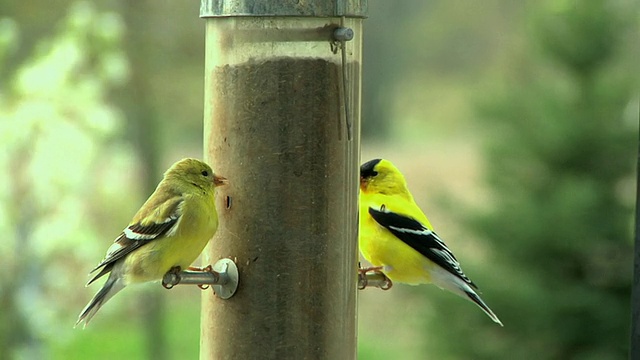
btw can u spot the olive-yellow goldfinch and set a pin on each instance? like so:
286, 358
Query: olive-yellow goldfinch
396, 236
167, 233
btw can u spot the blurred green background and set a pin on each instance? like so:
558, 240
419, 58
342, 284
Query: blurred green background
515, 123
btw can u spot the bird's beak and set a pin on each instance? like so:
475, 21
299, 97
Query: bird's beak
363, 183
219, 180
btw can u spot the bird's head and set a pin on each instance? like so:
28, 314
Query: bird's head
380, 176
195, 172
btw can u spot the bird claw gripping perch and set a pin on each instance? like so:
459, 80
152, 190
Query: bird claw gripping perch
373, 277
222, 276
171, 278
207, 268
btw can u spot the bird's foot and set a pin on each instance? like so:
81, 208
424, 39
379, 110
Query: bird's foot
207, 268
374, 269
176, 272
363, 281
362, 275
386, 282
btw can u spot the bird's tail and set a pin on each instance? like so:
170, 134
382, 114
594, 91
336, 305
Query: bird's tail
111, 287
473, 296
446, 280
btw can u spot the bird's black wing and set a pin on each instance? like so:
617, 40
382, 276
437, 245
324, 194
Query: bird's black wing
421, 239
156, 225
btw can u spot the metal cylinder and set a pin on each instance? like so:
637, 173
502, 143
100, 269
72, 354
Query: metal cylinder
315, 8
282, 123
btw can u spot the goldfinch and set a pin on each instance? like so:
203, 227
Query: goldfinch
167, 233
397, 238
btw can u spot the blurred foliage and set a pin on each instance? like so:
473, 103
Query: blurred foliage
73, 135
49, 208
123, 335
560, 160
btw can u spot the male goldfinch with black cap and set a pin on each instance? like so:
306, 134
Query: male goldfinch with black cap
397, 238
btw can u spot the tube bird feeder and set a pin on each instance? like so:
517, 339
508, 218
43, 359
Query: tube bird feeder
282, 123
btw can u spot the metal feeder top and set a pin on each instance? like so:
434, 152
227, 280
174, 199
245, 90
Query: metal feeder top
312, 8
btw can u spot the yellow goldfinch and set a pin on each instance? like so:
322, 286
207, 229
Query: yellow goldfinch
167, 233
397, 238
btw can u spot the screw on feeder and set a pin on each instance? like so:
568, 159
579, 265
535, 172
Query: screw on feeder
222, 276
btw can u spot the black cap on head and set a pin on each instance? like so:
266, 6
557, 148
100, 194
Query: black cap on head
366, 170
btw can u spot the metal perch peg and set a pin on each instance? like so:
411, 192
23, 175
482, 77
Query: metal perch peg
343, 34
222, 276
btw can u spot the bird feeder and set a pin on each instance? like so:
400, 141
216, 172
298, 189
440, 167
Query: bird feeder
282, 123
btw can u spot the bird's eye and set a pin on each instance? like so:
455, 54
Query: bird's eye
205, 173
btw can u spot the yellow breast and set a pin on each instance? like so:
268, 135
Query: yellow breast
381, 248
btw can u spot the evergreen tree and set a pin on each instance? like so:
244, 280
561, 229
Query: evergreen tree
561, 149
